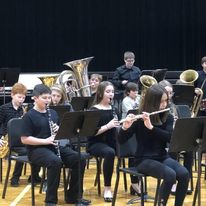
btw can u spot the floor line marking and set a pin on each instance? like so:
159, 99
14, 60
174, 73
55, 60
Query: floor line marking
21, 195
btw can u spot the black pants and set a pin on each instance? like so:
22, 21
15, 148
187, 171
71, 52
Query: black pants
169, 170
108, 153
19, 166
45, 157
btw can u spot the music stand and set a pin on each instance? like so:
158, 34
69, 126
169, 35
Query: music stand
189, 140
183, 94
78, 124
159, 74
61, 110
8, 77
82, 103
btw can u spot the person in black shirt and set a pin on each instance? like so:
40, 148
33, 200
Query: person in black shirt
14, 109
201, 83
40, 125
152, 134
103, 143
127, 72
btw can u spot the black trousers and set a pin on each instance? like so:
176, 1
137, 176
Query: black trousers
108, 153
169, 170
46, 157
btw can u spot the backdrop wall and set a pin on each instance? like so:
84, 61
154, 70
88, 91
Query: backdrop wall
40, 35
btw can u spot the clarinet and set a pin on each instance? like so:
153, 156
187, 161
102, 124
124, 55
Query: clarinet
52, 131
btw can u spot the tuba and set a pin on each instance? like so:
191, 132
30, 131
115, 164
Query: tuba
48, 80
146, 82
76, 82
188, 77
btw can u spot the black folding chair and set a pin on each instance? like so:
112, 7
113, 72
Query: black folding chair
14, 138
127, 150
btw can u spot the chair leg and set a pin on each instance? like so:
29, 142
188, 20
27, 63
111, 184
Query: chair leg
98, 175
124, 176
65, 182
157, 192
32, 186
116, 187
25, 168
7, 179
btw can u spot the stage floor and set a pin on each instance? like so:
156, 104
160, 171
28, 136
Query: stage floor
21, 195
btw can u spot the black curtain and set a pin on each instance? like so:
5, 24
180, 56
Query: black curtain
40, 35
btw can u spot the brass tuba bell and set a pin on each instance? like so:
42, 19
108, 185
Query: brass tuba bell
49, 80
80, 69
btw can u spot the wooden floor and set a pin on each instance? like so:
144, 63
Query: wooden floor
22, 195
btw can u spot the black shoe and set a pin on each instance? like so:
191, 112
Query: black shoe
82, 201
108, 199
37, 180
134, 192
14, 182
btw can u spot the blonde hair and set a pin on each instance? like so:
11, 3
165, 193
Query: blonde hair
59, 88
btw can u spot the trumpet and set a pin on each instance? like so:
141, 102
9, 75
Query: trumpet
139, 116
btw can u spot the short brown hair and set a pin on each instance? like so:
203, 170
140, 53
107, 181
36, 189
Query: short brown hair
19, 88
129, 55
131, 86
203, 59
98, 76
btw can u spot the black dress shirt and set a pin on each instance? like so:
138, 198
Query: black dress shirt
123, 73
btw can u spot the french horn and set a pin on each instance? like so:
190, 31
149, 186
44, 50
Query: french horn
48, 80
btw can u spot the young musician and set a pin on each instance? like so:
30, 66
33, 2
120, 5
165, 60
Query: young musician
11, 110
188, 156
103, 143
94, 82
131, 99
39, 128
153, 133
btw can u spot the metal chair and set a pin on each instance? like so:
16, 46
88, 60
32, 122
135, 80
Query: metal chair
14, 138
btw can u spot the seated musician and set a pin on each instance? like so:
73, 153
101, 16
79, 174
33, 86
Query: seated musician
40, 125
201, 83
94, 82
188, 156
14, 109
153, 134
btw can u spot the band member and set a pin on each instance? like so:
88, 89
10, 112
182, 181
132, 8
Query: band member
188, 156
153, 134
11, 110
103, 143
94, 82
39, 128
201, 83
127, 72
131, 99
59, 96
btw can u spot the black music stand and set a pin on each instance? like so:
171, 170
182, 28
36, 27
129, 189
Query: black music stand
159, 74
8, 77
187, 136
183, 94
78, 124
61, 110
82, 103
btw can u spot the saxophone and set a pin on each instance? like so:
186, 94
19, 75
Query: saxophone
4, 148
53, 133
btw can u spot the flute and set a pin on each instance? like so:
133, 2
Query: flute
139, 116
